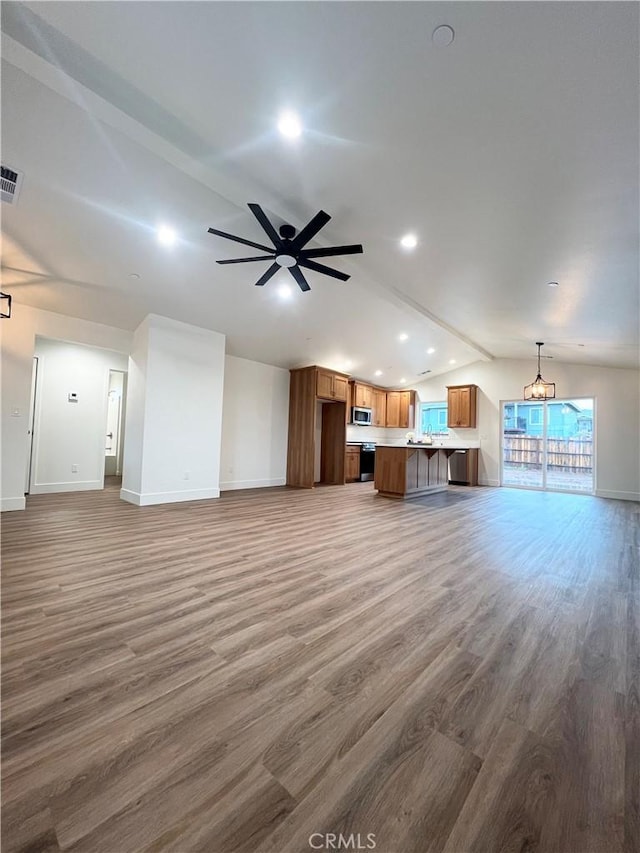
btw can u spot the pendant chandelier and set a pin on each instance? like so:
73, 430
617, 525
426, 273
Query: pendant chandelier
539, 389
5, 305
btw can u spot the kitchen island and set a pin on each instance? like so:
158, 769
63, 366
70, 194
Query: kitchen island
410, 470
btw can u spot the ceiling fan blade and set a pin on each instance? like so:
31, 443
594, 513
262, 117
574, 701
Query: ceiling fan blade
244, 260
273, 269
333, 250
310, 230
303, 284
312, 265
270, 231
239, 240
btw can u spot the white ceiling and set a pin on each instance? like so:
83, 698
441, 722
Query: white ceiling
512, 154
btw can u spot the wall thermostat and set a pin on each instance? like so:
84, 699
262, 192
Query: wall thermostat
73, 397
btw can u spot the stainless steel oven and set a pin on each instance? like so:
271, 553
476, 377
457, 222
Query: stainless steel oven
367, 461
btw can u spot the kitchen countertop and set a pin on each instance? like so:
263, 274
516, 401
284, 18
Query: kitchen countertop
417, 446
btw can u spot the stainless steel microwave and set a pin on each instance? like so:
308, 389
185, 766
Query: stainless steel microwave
360, 416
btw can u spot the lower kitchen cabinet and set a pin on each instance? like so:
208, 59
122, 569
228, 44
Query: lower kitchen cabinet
352, 464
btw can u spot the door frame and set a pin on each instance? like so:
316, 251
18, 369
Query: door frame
545, 416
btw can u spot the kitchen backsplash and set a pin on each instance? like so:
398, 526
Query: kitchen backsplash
383, 435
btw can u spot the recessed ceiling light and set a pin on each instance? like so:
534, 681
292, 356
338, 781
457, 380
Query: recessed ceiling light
443, 35
452, 361
378, 373
403, 336
289, 125
402, 381
285, 292
553, 284
409, 241
430, 351
166, 236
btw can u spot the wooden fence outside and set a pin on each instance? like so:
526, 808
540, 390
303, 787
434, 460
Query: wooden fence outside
572, 455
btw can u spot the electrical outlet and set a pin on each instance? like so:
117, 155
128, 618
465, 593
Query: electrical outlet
74, 469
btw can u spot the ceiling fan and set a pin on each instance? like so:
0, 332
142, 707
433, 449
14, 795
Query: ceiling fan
289, 251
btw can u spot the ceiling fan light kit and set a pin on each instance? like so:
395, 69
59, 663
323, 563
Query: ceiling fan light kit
539, 389
288, 250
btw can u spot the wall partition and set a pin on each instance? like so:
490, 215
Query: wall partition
548, 445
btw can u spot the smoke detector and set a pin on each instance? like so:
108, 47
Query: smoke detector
10, 183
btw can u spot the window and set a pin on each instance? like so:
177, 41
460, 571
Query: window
433, 418
535, 416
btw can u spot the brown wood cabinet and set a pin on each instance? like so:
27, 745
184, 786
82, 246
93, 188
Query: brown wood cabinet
317, 415
462, 406
400, 409
362, 395
379, 406
331, 385
352, 463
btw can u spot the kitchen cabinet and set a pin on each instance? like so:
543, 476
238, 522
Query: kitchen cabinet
317, 427
379, 406
400, 409
331, 385
462, 406
352, 464
362, 395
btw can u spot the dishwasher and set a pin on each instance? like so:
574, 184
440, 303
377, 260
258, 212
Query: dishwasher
459, 474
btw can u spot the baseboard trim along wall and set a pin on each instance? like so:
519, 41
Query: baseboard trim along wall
483, 481
72, 486
251, 484
621, 496
11, 504
151, 498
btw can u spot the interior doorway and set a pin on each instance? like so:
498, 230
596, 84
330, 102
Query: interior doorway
31, 426
549, 445
114, 437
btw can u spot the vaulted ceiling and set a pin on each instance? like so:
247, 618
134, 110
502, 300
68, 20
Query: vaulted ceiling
512, 155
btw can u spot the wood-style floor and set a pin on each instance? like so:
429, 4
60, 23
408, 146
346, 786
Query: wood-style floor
460, 673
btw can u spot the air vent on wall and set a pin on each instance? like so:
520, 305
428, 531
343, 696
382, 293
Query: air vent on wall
10, 183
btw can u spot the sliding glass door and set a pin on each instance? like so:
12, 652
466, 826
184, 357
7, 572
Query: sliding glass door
548, 445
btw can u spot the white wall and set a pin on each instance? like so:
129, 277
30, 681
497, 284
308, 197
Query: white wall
255, 413
174, 413
617, 414
18, 336
70, 436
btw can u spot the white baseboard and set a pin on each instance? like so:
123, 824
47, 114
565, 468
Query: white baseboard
71, 486
621, 496
484, 481
251, 484
152, 498
11, 504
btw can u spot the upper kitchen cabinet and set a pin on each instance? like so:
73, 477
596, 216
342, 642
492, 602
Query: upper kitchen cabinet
379, 400
462, 406
400, 409
362, 395
331, 385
